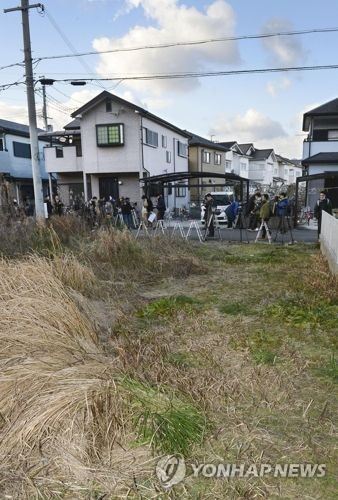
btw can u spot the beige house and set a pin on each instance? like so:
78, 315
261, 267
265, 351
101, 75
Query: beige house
205, 156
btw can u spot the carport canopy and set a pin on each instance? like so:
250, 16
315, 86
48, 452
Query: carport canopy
179, 177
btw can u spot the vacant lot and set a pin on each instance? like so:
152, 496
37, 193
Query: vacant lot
116, 352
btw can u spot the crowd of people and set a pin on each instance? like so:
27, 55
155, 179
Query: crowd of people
261, 208
122, 209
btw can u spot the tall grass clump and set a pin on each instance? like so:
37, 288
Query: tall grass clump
68, 416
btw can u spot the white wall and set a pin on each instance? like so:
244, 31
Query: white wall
69, 163
113, 159
19, 167
155, 158
329, 240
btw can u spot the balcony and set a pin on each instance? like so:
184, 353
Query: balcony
311, 148
64, 159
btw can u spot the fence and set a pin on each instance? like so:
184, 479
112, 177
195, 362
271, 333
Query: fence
329, 240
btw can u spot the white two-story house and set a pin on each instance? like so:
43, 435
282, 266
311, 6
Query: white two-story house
110, 146
262, 164
236, 161
320, 151
15, 163
287, 171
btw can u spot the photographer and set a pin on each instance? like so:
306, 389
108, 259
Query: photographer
209, 215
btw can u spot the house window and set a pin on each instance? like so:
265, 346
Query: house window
109, 107
164, 141
333, 135
182, 149
1, 144
168, 156
180, 191
110, 135
59, 152
206, 157
22, 150
243, 166
151, 138
217, 158
228, 165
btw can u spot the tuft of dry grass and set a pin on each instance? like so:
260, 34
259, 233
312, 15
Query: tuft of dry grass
66, 409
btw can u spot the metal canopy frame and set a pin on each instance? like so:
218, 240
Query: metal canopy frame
307, 179
174, 177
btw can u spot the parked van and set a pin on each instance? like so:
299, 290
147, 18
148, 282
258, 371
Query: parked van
222, 200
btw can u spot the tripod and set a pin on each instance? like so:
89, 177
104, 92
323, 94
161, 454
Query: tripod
212, 222
240, 223
283, 227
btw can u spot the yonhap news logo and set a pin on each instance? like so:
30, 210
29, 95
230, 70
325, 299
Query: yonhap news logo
172, 470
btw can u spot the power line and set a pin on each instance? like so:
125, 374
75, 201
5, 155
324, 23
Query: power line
201, 74
67, 42
195, 42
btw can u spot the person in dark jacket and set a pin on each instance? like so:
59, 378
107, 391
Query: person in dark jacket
282, 205
322, 205
208, 215
265, 213
161, 208
253, 210
126, 209
49, 206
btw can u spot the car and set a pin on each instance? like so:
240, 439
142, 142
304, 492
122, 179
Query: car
222, 199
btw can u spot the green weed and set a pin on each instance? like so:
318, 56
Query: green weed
162, 419
330, 369
168, 306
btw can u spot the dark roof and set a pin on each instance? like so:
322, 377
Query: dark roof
261, 154
321, 158
15, 128
73, 125
178, 176
228, 145
327, 109
196, 140
296, 163
245, 147
107, 96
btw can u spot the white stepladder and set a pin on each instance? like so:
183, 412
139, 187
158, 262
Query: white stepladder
143, 225
159, 227
178, 227
194, 225
260, 231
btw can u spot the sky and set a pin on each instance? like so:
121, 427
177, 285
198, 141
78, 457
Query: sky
265, 109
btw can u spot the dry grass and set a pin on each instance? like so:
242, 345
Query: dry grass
78, 417
66, 408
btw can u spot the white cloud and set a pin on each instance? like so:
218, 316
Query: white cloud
274, 88
251, 127
282, 50
13, 113
170, 22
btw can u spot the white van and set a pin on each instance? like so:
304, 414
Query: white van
222, 199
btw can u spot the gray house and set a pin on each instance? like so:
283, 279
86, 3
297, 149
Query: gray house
15, 162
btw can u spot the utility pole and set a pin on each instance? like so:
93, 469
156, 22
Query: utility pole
37, 182
44, 108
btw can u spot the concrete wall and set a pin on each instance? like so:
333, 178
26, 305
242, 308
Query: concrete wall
329, 241
70, 162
